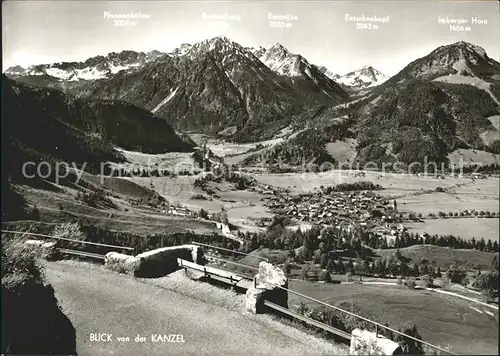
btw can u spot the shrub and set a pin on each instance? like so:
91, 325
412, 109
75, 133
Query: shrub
488, 283
35, 213
19, 263
287, 268
70, 231
427, 281
303, 272
409, 346
348, 277
325, 276
203, 214
399, 281
410, 282
455, 274
446, 283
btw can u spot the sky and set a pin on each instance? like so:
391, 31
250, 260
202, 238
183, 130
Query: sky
36, 32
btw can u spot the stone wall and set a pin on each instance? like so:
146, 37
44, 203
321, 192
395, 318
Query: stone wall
162, 261
121, 263
364, 342
265, 288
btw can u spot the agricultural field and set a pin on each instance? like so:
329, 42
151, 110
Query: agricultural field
173, 160
441, 256
441, 319
464, 227
230, 149
479, 195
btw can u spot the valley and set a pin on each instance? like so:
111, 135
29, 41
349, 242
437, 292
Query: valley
335, 179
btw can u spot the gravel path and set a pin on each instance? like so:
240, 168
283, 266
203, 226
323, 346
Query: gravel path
210, 320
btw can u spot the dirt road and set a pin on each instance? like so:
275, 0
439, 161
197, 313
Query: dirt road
101, 302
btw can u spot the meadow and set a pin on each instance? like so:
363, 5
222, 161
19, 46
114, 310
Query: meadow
441, 319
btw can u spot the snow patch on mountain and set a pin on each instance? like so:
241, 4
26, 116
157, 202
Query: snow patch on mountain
365, 77
98, 67
181, 50
280, 60
329, 73
117, 68
59, 73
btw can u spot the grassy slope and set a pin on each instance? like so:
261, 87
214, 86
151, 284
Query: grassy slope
466, 228
140, 220
441, 256
440, 319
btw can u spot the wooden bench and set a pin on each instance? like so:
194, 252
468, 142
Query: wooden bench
211, 272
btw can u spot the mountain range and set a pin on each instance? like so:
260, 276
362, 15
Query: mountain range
218, 84
445, 100
366, 77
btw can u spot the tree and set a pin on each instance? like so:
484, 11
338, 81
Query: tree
361, 267
481, 244
203, 214
331, 266
398, 254
455, 274
409, 346
494, 263
437, 272
427, 281
323, 260
489, 246
287, 268
303, 272
487, 282
423, 269
35, 213
325, 276
223, 217
410, 283
392, 267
